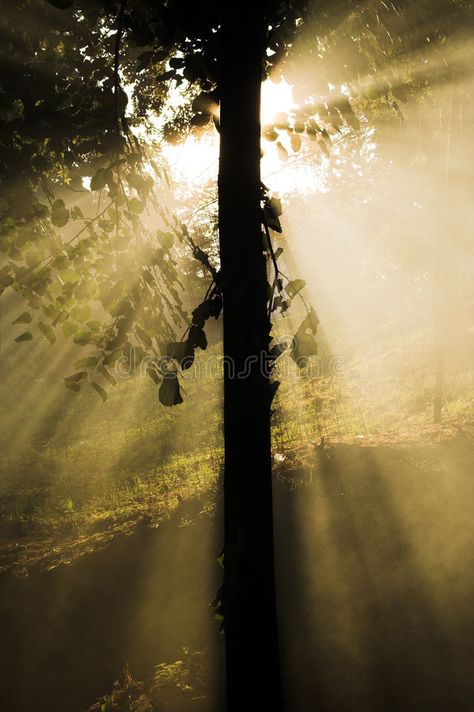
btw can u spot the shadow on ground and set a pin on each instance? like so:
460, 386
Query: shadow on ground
375, 570
376, 579
67, 634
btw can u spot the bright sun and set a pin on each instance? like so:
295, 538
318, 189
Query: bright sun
196, 159
275, 98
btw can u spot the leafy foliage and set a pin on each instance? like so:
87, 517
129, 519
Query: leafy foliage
82, 258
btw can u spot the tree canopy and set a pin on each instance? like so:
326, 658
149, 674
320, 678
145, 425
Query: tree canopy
79, 81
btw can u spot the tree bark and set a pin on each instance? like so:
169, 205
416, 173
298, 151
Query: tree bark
250, 621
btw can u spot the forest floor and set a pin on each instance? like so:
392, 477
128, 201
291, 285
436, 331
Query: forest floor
374, 548
63, 535
43, 543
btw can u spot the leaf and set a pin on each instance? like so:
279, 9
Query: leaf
177, 62
197, 337
277, 350
82, 338
99, 180
166, 239
271, 216
144, 59
169, 393
170, 74
26, 336
99, 390
136, 206
269, 133
282, 153
59, 213
76, 377
296, 285
199, 119
112, 357
204, 103
24, 318
202, 313
302, 347
72, 386
69, 328
275, 205
87, 362
216, 306
304, 344
76, 213
81, 313
310, 321
47, 331
295, 142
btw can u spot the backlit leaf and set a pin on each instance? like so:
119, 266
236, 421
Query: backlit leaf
26, 336
99, 390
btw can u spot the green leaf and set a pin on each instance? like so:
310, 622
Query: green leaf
295, 286
24, 318
166, 239
136, 206
94, 325
59, 213
26, 336
269, 133
169, 393
72, 386
69, 328
87, 362
82, 338
77, 377
99, 180
100, 390
76, 213
47, 331
81, 313
112, 357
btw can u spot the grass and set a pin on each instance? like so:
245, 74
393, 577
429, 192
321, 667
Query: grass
101, 469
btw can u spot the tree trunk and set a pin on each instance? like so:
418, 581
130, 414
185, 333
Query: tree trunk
252, 661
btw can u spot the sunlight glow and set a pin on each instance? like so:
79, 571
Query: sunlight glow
196, 159
275, 99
